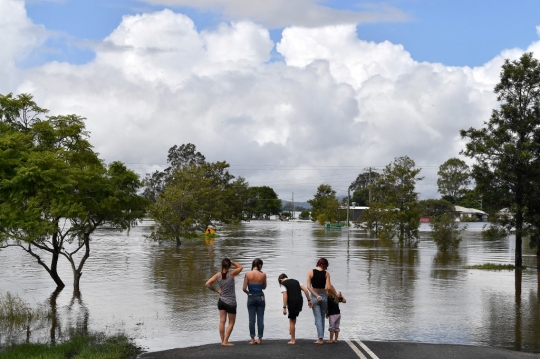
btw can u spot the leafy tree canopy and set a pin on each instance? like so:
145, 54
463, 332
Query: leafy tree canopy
454, 179
324, 205
55, 191
262, 202
506, 148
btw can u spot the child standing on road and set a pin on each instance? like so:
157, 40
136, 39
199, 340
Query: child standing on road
333, 313
292, 298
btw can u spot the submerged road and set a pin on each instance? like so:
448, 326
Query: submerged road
345, 349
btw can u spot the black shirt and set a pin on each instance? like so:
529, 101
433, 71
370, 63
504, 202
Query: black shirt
294, 295
333, 307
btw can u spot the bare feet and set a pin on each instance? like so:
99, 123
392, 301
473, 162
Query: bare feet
320, 341
227, 344
259, 341
292, 342
252, 341
330, 341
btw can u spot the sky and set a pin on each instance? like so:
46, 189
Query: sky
291, 93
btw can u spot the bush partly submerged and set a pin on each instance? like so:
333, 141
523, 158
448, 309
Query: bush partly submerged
494, 232
95, 346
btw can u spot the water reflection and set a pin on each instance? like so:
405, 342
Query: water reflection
409, 292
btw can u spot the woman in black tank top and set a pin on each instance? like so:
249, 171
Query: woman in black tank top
317, 281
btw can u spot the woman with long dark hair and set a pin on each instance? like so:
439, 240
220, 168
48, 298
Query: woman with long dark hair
318, 280
227, 297
254, 283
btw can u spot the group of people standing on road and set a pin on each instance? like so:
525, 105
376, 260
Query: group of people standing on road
321, 296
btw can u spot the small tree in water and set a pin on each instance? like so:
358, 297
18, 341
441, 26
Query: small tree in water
445, 231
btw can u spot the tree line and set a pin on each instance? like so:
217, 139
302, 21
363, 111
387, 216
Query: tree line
55, 191
505, 173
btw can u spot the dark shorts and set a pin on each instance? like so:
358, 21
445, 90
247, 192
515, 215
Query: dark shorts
293, 315
231, 309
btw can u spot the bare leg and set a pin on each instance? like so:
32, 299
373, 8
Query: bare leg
331, 340
335, 337
292, 330
222, 320
252, 341
259, 341
232, 319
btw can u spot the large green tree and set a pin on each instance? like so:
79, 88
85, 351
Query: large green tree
506, 148
324, 205
394, 208
454, 179
177, 158
55, 191
360, 186
262, 202
195, 196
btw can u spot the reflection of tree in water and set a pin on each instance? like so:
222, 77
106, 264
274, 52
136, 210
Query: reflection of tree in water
446, 265
514, 321
51, 323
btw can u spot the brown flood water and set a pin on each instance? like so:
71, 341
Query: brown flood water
155, 292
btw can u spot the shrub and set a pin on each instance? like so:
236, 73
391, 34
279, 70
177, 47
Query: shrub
494, 232
445, 232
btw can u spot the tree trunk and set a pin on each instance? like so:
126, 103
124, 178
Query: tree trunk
538, 257
178, 242
517, 325
77, 272
519, 235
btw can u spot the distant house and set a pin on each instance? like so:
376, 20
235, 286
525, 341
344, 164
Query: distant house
355, 212
469, 212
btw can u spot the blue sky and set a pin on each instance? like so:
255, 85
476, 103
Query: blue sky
455, 33
291, 93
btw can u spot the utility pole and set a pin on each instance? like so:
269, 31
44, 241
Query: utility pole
292, 217
348, 203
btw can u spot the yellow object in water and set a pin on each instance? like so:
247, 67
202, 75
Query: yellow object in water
210, 230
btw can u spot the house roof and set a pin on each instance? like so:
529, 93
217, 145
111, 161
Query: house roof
460, 209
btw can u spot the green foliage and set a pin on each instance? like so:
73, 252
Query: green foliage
394, 208
506, 149
454, 178
177, 158
262, 202
304, 214
494, 231
360, 186
20, 112
92, 346
195, 196
492, 266
435, 207
445, 231
55, 191
324, 205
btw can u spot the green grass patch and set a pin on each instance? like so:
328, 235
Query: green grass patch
493, 266
93, 346
16, 314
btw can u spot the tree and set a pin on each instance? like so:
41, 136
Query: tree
262, 202
360, 186
506, 148
304, 214
394, 207
177, 158
55, 192
435, 207
20, 112
195, 196
454, 178
324, 205
445, 231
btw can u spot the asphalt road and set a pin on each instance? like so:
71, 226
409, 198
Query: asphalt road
345, 349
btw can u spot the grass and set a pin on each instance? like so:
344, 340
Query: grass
493, 266
93, 346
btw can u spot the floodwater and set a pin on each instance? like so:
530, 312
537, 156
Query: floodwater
155, 292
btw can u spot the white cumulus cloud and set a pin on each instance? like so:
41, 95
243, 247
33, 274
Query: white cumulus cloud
335, 105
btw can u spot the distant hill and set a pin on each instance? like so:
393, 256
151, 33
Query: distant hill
287, 205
